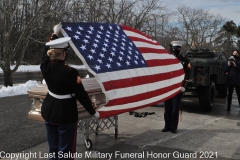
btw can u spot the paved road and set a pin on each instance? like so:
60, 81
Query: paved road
204, 135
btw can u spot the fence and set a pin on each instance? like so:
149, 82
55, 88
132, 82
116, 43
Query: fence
22, 77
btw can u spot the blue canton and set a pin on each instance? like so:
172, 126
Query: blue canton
105, 47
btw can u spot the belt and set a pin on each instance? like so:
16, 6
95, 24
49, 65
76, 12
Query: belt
61, 96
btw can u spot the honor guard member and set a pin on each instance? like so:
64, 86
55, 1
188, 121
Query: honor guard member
59, 109
171, 113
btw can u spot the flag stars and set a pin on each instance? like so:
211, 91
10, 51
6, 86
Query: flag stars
102, 55
97, 67
76, 36
90, 57
105, 44
96, 40
99, 60
104, 49
83, 47
89, 32
110, 59
78, 32
112, 53
101, 27
98, 36
110, 27
80, 28
95, 45
93, 51
85, 41
69, 28
119, 64
100, 32
91, 28
108, 65
120, 58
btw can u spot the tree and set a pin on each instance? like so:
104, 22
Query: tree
20, 19
196, 27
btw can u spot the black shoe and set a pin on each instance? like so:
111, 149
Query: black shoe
174, 131
165, 130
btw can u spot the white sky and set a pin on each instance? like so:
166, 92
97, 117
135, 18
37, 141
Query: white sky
20, 89
229, 9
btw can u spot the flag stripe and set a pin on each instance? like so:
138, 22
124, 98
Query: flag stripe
132, 105
144, 88
106, 113
138, 72
143, 96
134, 81
166, 57
132, 32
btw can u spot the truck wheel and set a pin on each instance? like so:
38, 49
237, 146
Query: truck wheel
222, 91
207, 97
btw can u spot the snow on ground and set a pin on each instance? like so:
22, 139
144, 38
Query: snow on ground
20, 89
34, 68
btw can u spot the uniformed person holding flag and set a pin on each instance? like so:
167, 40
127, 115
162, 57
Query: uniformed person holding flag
59, 108
171, 113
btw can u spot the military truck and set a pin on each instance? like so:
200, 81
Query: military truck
207, 76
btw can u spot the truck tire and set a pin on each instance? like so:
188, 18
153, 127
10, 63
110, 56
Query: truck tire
222, 91
207, 96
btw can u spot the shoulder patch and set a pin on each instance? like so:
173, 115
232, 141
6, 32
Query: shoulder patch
79, 80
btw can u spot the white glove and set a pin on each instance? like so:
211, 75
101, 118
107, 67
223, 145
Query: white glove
97, 115
57, 28
183, 89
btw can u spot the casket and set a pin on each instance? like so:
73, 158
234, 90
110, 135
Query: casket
38, 94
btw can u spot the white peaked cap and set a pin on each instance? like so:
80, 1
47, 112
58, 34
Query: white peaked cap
177, 43
59, 43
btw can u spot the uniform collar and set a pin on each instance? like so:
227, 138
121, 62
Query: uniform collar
58, 61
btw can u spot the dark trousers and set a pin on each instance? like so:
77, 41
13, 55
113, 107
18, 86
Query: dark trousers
230, 93
61, 139
171, 113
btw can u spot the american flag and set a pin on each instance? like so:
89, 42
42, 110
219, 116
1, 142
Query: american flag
133, 70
